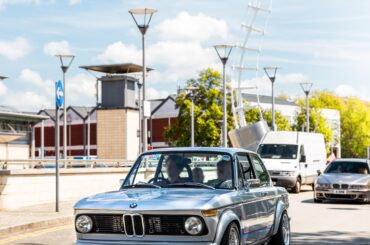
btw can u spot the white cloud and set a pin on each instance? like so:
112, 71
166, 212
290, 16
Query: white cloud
3, 88
15, 49
53, 48
81, 87
120, 52
30, 76
345, 90
4, 3
192, 27
26, 101
157, 94
74, 2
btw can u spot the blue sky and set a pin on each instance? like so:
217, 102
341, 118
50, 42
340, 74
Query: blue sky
325, 42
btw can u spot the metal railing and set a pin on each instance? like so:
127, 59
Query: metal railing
63, 163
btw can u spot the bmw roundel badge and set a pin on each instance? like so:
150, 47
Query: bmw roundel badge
133, 205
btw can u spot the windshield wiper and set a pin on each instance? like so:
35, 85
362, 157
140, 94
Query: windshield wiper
193, 184
143, 185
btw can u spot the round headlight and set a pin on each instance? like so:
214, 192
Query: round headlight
193, 225
84, 224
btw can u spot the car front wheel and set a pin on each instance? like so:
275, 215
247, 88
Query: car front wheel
282, 237
231, 236
297, 187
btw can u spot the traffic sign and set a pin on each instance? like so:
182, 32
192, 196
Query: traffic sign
59, 94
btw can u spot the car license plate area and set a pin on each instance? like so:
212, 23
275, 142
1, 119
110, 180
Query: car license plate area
343, 192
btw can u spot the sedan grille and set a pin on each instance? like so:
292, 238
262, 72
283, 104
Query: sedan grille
107, 223
340, 186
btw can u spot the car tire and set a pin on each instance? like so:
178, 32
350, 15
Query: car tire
231, 235
298, 185
282, 237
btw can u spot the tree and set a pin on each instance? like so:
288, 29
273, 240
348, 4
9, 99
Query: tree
207, 113
355, 121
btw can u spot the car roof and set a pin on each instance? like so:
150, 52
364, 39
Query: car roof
200, 149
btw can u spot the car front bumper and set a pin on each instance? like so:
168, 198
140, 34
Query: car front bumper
284, 181
98, 242
350, 195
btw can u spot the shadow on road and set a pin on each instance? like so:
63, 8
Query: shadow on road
310, 200
331, 237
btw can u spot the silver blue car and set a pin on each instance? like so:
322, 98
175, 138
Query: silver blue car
202, 196
344, 179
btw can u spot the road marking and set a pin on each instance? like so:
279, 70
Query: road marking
33, 234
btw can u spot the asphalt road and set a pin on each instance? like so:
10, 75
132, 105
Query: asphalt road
326, 223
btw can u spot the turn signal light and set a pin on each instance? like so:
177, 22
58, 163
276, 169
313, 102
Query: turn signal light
209, 213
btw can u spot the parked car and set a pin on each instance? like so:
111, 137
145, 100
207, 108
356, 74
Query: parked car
344, 179
293, 159
180, 200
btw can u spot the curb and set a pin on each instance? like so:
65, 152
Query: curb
37, 225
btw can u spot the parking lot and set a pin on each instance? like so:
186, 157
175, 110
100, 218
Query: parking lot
326, 223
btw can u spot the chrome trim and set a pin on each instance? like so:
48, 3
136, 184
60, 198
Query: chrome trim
131, 216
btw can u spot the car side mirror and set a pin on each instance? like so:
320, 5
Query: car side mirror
253, 183
121, 182
319, 172
303, 158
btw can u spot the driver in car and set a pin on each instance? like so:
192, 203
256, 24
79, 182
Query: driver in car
224, 174
174, 166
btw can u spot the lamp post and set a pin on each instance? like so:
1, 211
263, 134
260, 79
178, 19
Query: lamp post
69, 121
271, 74
191, 90
145, 15
223, 51
65, 61
306, 87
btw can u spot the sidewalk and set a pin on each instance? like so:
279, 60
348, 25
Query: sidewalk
35, 217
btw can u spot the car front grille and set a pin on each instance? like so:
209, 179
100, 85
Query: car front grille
340, 186
140, 225
339, 196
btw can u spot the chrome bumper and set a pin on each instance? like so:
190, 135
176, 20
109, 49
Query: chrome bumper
97, 242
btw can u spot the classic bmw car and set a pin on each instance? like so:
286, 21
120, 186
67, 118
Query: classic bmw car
202, 196
344, 179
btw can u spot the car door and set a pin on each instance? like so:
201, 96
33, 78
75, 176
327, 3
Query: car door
267, 194
250, 212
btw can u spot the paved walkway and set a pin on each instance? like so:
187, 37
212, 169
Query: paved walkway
35, 217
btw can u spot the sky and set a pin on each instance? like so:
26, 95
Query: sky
323, 42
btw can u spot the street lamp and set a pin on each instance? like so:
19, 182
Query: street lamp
271, 74
223, 51
145, 15
65, 61
2, 78
191, 90
306, 87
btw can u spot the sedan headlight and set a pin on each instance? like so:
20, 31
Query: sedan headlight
323, 185
193, 225
84, 224
359, 187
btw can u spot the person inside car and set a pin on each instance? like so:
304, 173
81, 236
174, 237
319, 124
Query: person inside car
363, 170
198, 175
174, 166
224, 175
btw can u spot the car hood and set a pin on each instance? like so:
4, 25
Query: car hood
355, 179
157, 199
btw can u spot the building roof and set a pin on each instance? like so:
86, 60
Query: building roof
7, 112
82, 111
116, 68
266, 99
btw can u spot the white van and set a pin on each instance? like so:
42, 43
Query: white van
293, 159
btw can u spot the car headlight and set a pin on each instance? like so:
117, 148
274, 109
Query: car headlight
323, 185
359, 187
84, 224
193, 225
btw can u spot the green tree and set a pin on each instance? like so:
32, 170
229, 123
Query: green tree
207, 113
253, 115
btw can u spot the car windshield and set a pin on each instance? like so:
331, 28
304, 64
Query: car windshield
278, 151
182, 170
347, 167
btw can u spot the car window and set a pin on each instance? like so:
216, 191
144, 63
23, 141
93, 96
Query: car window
260, 170
245, 171
347, 167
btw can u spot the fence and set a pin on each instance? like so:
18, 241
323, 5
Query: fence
63, 163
